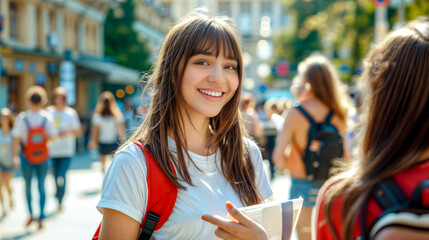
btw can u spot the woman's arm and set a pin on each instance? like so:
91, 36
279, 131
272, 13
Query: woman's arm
284, 140
95, 132
121, 133
116, 225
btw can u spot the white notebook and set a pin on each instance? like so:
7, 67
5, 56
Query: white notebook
278, 218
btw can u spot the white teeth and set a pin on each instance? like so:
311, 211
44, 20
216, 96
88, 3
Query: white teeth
214, 94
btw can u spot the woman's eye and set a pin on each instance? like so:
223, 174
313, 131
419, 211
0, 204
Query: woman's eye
230, 67
201, 62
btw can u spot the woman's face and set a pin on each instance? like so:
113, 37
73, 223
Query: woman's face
208, 83
4, 121
298, 87
59, 100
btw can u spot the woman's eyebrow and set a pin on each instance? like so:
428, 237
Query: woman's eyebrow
206, 53
211, 54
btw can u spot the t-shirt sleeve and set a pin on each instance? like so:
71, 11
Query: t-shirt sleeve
120, 119
124, 185
50, 126
96, 119
75, 121
19, 129
262, 181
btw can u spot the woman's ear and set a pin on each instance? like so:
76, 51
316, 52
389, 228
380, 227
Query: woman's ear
307, 86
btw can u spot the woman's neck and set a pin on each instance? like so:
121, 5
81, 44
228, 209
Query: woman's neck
60, 107
197, 135
5, 129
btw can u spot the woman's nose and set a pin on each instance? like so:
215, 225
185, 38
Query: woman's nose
216, 74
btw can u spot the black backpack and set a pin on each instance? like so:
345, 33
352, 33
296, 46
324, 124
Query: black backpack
325, 144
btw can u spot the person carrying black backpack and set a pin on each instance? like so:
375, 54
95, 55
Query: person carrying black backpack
313, 134
384, 192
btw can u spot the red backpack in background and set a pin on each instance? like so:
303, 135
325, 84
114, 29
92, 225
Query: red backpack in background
161, 198
36, 148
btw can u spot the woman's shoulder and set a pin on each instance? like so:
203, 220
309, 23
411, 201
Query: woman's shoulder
250, 144
130, 154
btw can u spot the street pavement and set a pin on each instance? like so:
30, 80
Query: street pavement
79, 217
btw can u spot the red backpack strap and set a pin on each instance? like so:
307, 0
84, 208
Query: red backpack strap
161, 196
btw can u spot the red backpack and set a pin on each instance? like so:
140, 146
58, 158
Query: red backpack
161, 198
36, 148
394, 206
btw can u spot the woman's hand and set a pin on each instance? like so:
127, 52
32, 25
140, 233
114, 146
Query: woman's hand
236, 225
16, 161
92, 145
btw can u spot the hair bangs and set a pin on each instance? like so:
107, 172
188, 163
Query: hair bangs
216, 39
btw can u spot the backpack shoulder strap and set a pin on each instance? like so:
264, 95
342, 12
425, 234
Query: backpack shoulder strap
27, 124
306, 114
44, 121
161, 196
329, 117
389, 195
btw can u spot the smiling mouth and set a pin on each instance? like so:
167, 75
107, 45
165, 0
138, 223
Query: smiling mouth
210, 93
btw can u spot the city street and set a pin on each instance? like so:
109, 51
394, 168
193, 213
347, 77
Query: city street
79, 217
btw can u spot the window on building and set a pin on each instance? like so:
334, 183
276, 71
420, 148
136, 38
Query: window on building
76, 33
245, 19
167, 7
52, 21
13, 14
224, 8
266, 10
40, 26
285, 16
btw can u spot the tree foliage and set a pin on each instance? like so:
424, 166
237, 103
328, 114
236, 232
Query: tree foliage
122, 42
342, 30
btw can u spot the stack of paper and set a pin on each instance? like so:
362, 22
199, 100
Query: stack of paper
278, 218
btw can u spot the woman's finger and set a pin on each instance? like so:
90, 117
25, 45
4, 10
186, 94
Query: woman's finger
228, 225
220, 233
239, 216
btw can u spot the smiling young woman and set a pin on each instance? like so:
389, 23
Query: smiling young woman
195, 132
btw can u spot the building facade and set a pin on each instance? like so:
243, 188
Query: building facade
56, 42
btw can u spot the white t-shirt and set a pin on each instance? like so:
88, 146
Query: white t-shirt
64, 121
125, 190
109, 127
34, 119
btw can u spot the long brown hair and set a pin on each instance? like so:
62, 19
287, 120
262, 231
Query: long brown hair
319, 72
107, 106
197, 33
396, 113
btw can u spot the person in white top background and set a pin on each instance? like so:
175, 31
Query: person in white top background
62, 150
34, 117
7, 163
107, 127
194, 123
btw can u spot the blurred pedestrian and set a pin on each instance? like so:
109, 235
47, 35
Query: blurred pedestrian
321, 100
250, 116
8, 164
67, 125
272, 125
393, 144
32, 130
108, 127
128, 114
193, 128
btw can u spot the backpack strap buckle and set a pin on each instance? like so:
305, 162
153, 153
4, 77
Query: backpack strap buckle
149, 225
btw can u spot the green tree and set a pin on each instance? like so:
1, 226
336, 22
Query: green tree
343, 30
122, 42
